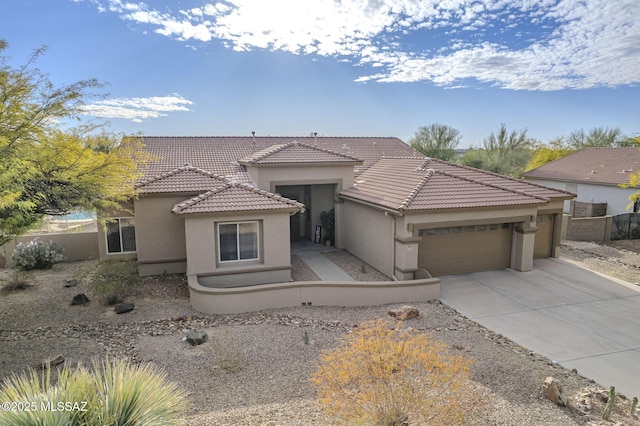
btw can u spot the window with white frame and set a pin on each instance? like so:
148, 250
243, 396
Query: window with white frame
238, 241
121, 235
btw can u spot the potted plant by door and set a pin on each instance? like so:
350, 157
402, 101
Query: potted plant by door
327, 218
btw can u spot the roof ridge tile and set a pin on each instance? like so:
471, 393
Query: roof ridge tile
239, 185
178, 170
416, 190
498, 175
491, 185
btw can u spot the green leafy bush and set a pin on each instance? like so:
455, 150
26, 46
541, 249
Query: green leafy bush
36, 254
328, 220
111, 280
113, 392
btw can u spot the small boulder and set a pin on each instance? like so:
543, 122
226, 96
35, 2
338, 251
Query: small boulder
50, 362
70, 283
197, 337
552, 390
405, 312
123, 308
79, 299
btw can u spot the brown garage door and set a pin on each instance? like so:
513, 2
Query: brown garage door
463, 249
543, 246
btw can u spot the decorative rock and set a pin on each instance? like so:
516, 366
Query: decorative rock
122, 308
197, 337
50, 362
405, 312
552, 390
79, 299
71, 283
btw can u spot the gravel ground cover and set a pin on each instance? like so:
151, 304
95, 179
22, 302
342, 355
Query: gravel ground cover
255, 367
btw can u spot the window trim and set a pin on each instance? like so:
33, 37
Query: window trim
237, 223
106, 235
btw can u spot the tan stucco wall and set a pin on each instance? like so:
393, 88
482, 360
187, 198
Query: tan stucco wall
159, 233
268, 178
77, 245
368, 234
274, 251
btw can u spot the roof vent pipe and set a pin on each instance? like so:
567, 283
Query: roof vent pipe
315, 137
253, 136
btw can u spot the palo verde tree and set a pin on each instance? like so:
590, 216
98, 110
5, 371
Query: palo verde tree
503, 152
48, 167
634, 179
437, 141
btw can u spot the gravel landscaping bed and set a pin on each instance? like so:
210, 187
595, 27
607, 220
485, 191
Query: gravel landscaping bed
255, 367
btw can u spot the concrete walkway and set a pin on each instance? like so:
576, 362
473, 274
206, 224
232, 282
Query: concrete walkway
311, 254
576, 317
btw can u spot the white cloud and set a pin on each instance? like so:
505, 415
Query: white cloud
571, 44
137, 109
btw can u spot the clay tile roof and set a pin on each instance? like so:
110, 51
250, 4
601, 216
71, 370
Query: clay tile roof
609, 166
182, 179
296, 153
414, 184
236, 197
221, 154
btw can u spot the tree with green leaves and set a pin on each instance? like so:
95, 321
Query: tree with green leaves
437, 141
596, 137
48, 166
503, 152
634, 180
544, 155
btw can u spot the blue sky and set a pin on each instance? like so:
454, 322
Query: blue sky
341, 67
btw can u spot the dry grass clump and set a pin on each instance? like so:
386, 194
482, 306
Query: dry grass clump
383, 375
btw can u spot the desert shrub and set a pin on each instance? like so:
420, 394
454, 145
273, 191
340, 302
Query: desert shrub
18, 280
384, 376
111, 280
116, 392
36, 254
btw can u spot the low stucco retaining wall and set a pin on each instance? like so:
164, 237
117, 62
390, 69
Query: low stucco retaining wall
311, 293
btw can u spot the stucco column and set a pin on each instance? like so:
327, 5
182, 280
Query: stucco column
524, 238
338, 209
406, 256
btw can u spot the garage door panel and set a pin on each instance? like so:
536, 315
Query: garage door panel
543, 246
457, 250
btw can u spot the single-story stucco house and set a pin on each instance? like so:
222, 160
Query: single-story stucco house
224, 210
595, 175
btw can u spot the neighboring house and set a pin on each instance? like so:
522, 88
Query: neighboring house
595, 175
224, 210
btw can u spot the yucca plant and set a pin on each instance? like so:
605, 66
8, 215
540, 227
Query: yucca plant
114, 393
135, 395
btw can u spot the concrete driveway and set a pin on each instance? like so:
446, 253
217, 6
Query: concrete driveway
571, 315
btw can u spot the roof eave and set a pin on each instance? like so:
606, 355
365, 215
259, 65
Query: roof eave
185, 212
304, 164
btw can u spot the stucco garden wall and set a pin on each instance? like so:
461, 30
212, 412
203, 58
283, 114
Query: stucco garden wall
77, 245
